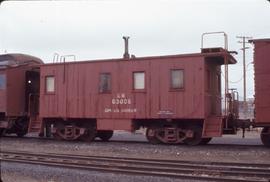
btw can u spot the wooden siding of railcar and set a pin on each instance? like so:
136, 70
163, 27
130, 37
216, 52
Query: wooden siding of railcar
262, 82
77, 95
15, 91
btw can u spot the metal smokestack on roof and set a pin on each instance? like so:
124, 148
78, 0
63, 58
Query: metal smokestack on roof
126, 54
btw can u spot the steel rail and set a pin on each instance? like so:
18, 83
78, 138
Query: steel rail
153, 167
177, 163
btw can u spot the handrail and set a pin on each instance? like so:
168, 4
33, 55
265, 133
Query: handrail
63, 58
55, 57
221, 32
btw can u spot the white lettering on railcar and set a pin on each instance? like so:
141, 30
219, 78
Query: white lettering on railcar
107, 110
128, 110
165, 112
121, 99
125, 110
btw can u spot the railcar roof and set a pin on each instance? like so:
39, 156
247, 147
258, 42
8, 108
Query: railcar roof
16, 59
260, 40
222, 53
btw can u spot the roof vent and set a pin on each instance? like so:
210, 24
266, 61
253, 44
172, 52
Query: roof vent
126, 54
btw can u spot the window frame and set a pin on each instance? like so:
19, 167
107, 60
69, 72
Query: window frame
54, 84
171, 80
99, 83
133, 81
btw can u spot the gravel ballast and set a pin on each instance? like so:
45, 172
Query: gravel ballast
123, 144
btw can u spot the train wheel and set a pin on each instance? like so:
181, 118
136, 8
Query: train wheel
89, 135
105, 135
21, 126
205, 141
265, 136
197, 136
151, 137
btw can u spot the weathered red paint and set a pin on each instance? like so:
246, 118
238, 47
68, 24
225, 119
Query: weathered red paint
13, 96
262, 81
15, 91
77, 91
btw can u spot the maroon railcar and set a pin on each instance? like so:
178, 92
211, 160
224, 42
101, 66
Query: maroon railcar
262, 87
177, 98
19, 78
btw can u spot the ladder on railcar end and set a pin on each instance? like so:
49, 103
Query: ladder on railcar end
233, 103
34, 125
226, 80
230, 118
33, 114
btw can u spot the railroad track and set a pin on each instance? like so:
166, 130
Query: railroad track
208, 171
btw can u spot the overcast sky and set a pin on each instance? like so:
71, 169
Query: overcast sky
93, 29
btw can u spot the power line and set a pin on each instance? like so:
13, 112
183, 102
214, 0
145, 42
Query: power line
243, 42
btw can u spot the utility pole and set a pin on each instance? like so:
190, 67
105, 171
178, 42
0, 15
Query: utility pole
243, 42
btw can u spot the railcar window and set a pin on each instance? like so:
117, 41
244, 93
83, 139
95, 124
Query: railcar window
105, 82
177, 79
50, 84
139, 80
2, 81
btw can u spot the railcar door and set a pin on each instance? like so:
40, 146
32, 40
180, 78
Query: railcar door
214, 88
32, 92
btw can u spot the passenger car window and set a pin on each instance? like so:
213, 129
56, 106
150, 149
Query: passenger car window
139, 80
2, 81
50, 84
177, 79
105, 82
